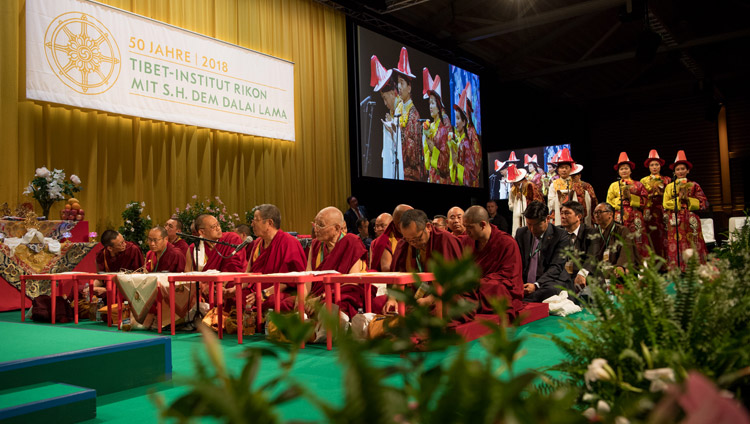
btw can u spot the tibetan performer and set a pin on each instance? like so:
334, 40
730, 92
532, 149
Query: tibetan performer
408, 122
653, 212
583, 193
435, 132
681, 199
561, 189
522, 193
628, 198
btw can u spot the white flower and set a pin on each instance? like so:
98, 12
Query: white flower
599, 369
602, 407
29, 189
195, 196
42, 172
143, 204
148, 217
588, 397
687, 254
659, 378
127, 221
621, 420
75, 179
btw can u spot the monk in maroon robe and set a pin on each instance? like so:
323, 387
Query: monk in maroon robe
456, 225
173, 227
272, 252
384, 245
421, 241
162, 255
497, 254
116, 255
207, 256
333, 250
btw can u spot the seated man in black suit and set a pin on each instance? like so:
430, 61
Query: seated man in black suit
583, 239
541, 246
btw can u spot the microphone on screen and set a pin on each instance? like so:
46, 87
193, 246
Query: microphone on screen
248, 240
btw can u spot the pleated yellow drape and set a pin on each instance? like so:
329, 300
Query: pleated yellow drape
124, 158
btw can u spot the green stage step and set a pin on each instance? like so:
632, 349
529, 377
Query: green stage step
47, 403
105, 361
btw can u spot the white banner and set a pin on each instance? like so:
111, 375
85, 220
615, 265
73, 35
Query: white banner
89, 55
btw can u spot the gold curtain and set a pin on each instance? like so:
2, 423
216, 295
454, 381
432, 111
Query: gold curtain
124, 158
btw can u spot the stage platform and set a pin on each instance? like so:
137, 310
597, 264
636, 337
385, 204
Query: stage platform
319, 369
47, 370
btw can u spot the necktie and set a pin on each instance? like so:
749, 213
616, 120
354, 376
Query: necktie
572, 238
531, 278
359, 215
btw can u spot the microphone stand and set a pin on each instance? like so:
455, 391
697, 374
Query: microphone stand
677, 222
207, 240
622, 210
397, 147
369, 108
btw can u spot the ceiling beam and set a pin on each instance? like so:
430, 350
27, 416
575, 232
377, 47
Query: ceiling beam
601, 40
626, 56
543, 18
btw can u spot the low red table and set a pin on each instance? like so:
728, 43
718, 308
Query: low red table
54, 279
368, 279
297, 278
221, 278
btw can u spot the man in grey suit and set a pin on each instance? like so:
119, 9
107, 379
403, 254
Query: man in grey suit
584, 240
542, 246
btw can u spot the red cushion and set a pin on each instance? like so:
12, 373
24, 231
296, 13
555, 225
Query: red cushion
474, 329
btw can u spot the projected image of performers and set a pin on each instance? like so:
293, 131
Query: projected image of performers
413, 126
537, 164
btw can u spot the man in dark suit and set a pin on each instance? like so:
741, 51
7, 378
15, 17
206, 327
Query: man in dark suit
354, 213
583, 239
541, 246
616, 248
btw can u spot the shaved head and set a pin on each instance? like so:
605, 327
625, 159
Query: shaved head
400, 209
331, 216
381, 223
455, 220
475, 215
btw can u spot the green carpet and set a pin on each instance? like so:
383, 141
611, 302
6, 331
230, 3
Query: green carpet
317, 367
52, 340
34, 393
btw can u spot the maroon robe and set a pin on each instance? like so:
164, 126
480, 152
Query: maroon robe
443, 242
181, 245
129, 259
283, 254
172, 260
383, 243
502, 269
236, 263
405, 260
347, 251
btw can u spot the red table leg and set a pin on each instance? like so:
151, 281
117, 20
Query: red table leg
277, 297
258, 309
158, 309
23, 299
75, 301
301, 304
240, 311
53, 289
171, 306
211, 293
329, 307
368, 297
119, 310
401, 306
220, 307
110, 300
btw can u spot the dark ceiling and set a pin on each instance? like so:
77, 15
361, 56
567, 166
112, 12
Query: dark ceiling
578, 50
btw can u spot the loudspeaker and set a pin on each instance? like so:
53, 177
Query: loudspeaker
648, 44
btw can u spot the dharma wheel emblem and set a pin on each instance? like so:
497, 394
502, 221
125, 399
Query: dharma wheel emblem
82, 52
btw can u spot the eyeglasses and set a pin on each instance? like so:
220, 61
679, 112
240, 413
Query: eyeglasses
212, 227
318, 226
155, 240
601, 212
417, 238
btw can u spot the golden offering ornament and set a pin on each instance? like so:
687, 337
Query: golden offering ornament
82, 52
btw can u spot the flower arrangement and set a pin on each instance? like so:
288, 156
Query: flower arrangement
49, 187
135, 228
215, 207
